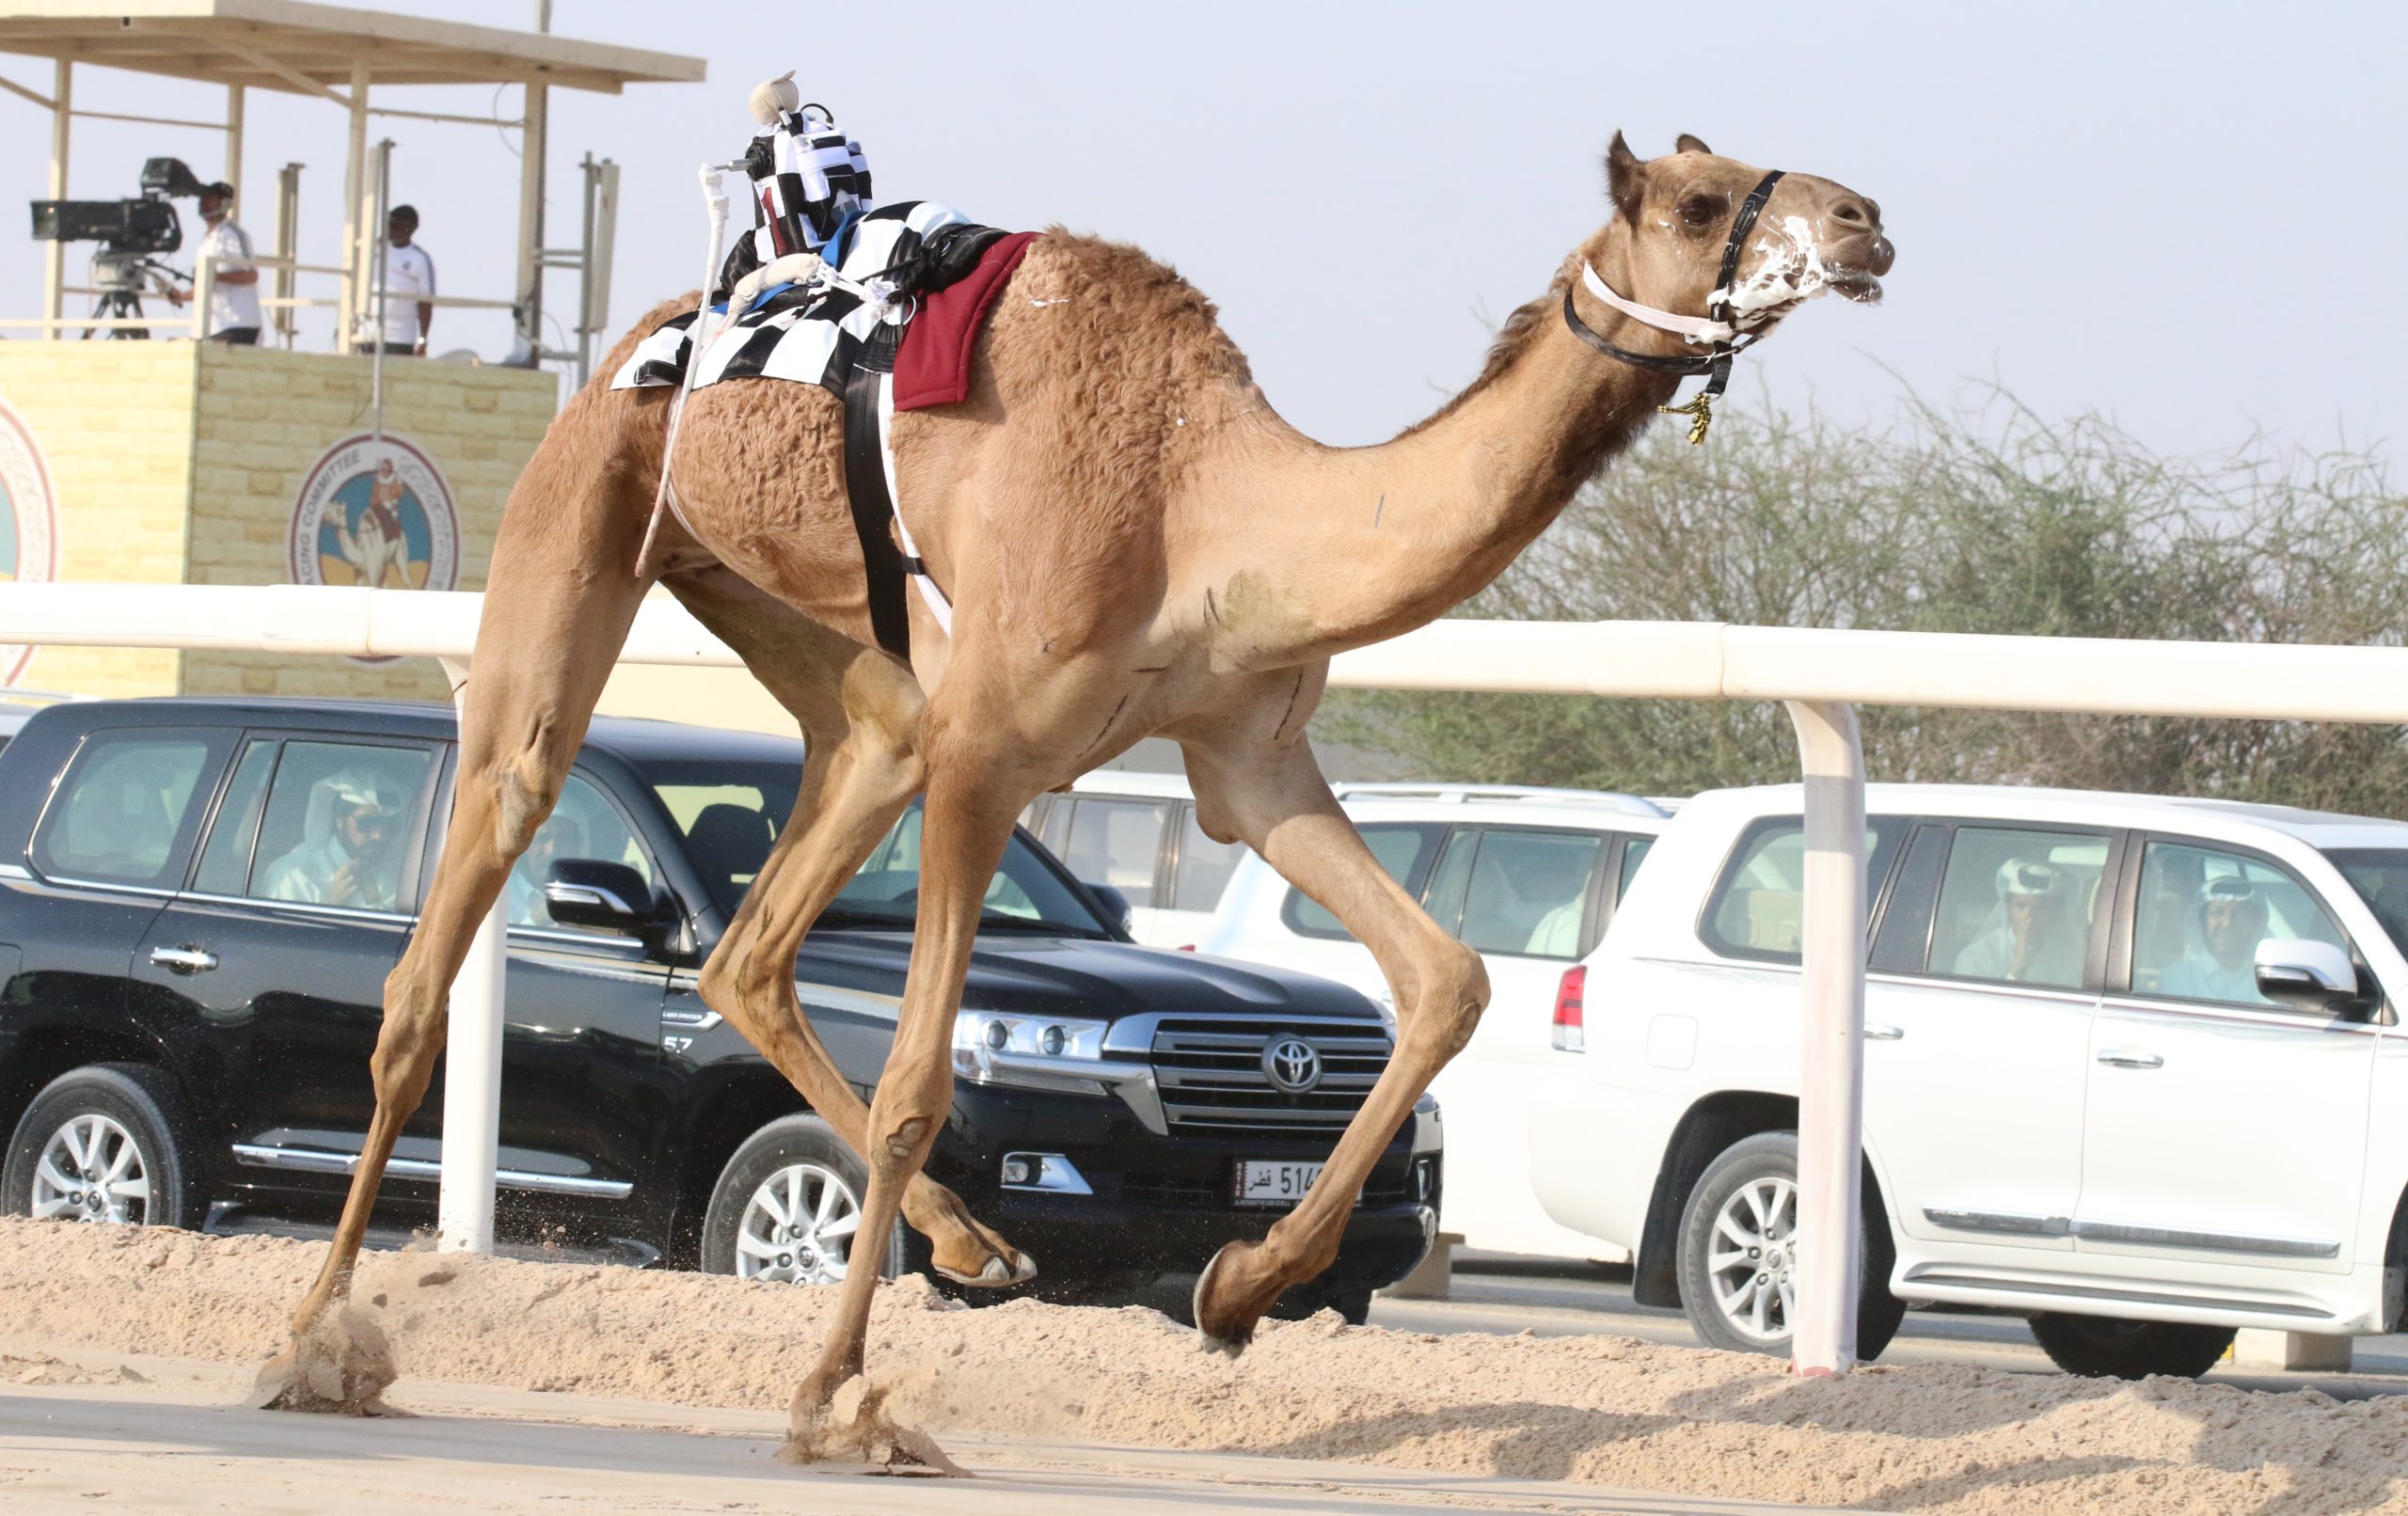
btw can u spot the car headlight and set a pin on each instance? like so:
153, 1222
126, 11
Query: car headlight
1040, 1051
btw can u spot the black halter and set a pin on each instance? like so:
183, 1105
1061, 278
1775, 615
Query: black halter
1716, 362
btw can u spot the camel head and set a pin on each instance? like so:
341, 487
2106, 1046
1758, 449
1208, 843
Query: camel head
1673, 221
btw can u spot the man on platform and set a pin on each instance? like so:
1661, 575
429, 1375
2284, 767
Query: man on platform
234, 284
409, 289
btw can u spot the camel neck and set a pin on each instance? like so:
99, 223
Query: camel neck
1391, 537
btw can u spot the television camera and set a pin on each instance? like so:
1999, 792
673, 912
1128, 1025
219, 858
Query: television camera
131, 232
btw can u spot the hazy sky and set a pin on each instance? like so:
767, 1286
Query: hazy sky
2185, 215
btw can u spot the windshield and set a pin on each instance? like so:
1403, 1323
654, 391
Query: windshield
731, 815
2380, 875
1024, 894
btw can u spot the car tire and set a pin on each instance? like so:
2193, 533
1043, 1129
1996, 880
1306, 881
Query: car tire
1762, 1172
778, 1191
2109, 1347
124, 1120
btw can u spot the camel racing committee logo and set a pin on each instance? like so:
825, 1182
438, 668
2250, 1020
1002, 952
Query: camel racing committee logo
375, 512
29, 522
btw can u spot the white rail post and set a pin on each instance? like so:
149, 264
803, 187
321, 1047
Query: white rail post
1830, 1116
472, 1072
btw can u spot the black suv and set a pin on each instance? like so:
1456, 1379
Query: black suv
200, 900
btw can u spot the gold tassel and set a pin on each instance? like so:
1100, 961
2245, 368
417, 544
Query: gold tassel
1699, 410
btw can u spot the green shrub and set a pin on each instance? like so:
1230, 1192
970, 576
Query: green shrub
1994, 520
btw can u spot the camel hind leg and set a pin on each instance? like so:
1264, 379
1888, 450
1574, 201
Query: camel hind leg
1258, 784
543, 648
860, 714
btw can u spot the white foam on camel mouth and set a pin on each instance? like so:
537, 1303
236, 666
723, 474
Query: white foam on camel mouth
1789, 271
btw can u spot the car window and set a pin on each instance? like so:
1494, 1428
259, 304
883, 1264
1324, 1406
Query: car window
584, 824
1118, 843
1402, 849
1757, 907
1450, 882
2201, 913
225, 858
1023, 892
1634, 852
1204, 865
1529, 892
124, 806
342, 821
1903, 942
728, 814
2380, 875
2015, 906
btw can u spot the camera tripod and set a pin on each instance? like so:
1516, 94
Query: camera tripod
119, 279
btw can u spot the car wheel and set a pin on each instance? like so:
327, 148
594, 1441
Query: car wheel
787, 1208
2109, 1347
105, 1144
1737, 1254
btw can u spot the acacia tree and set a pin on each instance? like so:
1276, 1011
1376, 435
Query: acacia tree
1989, 521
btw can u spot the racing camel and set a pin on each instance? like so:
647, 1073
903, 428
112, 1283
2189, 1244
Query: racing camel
1135, 544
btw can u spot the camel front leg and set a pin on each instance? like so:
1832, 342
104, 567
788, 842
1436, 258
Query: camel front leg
544, 646
1274, 797
970, 810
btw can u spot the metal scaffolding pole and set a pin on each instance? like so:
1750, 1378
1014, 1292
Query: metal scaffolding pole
233, 172
356, 190
53, 257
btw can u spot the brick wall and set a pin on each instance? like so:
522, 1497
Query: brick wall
113, 422
183, 463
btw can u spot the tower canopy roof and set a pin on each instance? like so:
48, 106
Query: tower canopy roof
310, 49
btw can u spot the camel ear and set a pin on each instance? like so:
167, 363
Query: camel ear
1623, 175
1686, 143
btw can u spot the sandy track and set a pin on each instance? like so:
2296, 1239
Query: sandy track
1600, 1410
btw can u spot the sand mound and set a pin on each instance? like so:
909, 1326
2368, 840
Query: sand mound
1602, 1410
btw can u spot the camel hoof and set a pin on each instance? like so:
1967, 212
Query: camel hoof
341, 1365
997, 1274
854, 1423
1229, 1342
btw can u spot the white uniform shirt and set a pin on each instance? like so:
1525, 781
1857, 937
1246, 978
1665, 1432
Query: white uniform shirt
228, 247
410, 277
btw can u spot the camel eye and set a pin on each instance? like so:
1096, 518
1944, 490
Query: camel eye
1704, 209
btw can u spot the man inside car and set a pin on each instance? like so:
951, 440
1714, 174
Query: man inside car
350, 864
2232, 922
2031, 942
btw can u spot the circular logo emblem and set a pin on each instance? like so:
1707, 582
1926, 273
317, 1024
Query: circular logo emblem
375, 512
29, 522
1292, 1063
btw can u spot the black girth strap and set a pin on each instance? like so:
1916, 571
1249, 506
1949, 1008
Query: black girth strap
1716, 363
866, 487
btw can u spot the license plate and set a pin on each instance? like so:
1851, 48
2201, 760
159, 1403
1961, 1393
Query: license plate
1262, 1183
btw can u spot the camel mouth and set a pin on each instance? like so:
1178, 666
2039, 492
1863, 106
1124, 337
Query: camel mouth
1854, 284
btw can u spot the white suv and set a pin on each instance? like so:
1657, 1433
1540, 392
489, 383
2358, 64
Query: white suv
2133, 1069
1530, 878
1135, 833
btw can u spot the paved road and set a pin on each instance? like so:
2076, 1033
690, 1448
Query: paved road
1503, 1296
176, 1439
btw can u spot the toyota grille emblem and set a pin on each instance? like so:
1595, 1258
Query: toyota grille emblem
1292, 1064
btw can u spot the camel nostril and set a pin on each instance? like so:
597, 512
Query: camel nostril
1851, 214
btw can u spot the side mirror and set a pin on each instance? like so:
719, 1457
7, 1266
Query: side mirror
2309, 976
1115, 905
604, 897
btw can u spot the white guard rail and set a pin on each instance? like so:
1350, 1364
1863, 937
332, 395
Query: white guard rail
1821, 675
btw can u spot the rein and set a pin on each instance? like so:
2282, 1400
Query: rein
1727, 340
